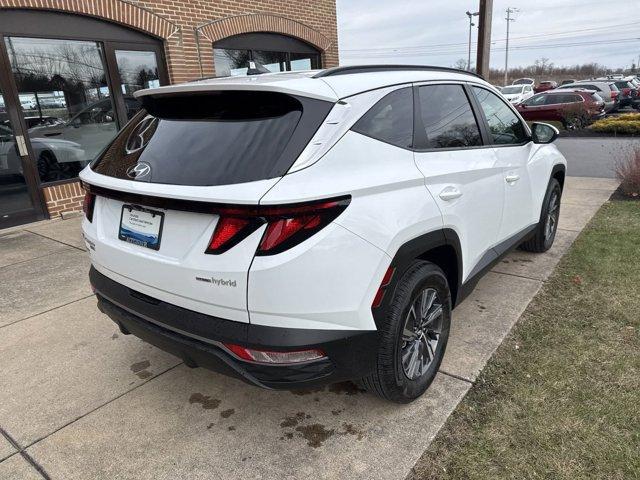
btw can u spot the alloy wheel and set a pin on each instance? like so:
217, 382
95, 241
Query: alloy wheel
421, 333
553, 213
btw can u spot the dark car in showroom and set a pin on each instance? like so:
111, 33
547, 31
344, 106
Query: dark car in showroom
573, 108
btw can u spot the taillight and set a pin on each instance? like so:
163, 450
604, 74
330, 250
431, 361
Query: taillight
287, 225
88, 204
266, 356
230, 231
614, 95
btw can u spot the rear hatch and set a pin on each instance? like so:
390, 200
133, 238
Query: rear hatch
158, 190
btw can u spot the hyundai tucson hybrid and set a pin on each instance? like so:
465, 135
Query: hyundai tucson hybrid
298, 229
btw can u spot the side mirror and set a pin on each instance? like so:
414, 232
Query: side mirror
543, 133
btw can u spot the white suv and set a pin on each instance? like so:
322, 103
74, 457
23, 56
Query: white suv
296, 229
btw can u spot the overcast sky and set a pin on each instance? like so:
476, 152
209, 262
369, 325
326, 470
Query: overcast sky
436, 32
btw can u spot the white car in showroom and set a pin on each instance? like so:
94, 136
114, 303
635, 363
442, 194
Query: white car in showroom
298, 229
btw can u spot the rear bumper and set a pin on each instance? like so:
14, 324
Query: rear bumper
197, 339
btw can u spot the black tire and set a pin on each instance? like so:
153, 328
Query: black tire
49, 169
544, 235
390, 379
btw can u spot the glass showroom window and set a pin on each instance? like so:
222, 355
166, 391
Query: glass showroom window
232, 62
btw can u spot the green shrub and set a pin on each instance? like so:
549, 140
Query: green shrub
627, 124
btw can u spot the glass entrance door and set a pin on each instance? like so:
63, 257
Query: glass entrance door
65, 102
15, 199
20, 201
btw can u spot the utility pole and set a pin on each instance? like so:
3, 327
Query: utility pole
471, 25
506, 54
484, 38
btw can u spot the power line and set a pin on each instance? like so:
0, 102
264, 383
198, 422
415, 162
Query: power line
548, 34
428, 52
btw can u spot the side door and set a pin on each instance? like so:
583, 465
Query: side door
513, 148
534, 108
460, 170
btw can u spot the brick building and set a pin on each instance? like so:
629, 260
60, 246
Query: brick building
68, 69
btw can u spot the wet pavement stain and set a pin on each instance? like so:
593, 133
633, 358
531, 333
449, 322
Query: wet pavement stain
209, 426
307, 391
290, 422
231, 428
227, 413
349, 429
348, 388
206, 401
336, 412
140, 369
523, 260
114, 336
315, 434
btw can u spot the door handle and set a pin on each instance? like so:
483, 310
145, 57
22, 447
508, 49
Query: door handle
512, 178
450, 193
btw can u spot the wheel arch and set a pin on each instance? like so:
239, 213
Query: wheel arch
440, 247
559, 172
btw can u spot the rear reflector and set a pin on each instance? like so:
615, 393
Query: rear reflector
88, 204
287, 225
377, 300
265, 356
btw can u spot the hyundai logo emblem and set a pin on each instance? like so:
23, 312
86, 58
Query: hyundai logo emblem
141, 134
139, 170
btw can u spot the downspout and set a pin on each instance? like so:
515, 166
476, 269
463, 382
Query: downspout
197, 35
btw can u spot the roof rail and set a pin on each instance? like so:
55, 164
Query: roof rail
335, 71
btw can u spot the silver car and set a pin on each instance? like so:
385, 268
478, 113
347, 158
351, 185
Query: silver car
604, 88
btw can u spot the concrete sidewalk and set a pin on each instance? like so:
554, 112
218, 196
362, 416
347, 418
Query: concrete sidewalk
80, 400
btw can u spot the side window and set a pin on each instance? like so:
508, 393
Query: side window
552, 99
504, 126
390, 120
536, 100
447, 117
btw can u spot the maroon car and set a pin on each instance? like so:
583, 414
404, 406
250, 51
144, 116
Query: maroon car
573, 108
545, 86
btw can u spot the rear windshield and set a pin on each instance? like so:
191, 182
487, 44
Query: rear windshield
217, 138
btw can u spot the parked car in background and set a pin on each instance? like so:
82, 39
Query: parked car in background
573, 108
517, 93
606, 89
544, 86
628, 92
567, 82
524, 81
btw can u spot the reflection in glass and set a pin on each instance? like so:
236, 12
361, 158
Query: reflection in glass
230, 63
138, 70
14, 196
303, 61
272, 61
65, 101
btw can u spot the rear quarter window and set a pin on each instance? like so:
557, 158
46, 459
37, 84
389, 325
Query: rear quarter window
390, 120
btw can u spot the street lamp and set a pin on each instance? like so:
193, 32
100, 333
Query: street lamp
471, 25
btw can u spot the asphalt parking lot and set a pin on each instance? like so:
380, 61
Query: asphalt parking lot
595, 157
80, 400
